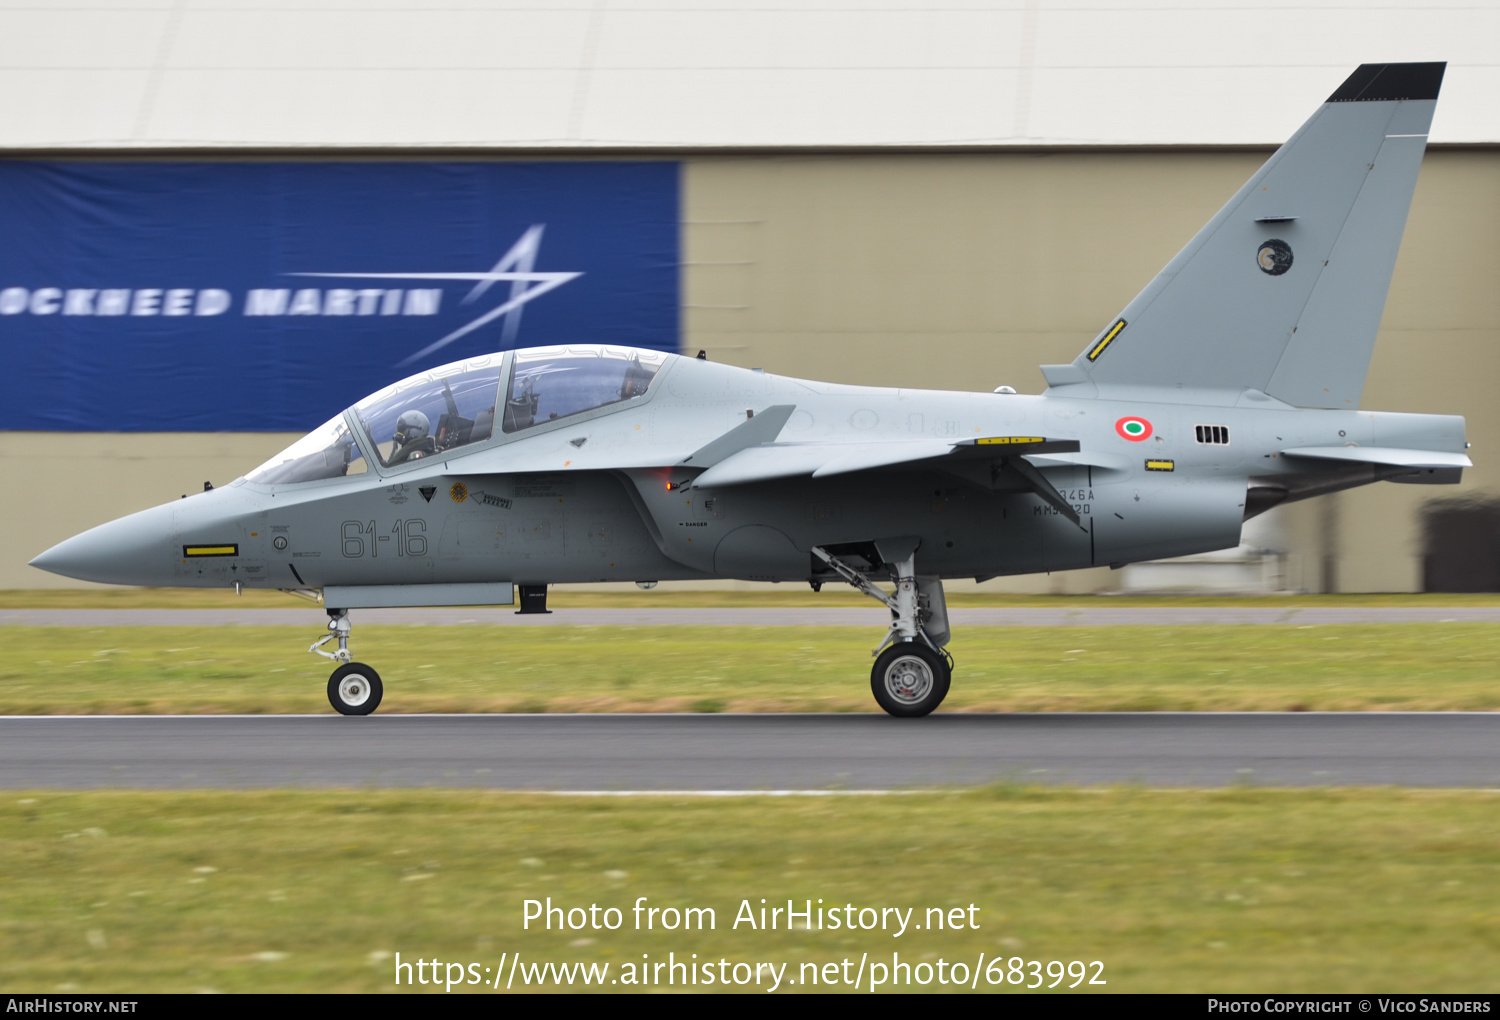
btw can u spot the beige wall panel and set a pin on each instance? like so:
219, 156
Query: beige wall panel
60, 483
1450, 256
969, 271
1438, 353
1380, 544
918, 270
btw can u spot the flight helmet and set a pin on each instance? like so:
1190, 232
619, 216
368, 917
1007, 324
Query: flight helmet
411, 427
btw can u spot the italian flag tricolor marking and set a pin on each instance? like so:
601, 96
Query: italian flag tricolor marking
1133, 429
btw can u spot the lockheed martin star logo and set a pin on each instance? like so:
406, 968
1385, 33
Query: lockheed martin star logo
515, 267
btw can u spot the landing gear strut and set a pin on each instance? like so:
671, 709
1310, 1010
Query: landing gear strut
354, 688
912, 670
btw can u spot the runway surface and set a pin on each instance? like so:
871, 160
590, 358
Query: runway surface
873, 616
749, 752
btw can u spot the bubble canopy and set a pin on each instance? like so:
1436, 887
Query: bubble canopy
432, 412
455, 405
329, 451
548, 383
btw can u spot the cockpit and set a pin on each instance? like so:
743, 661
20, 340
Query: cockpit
456, 405
431, 413
548, 383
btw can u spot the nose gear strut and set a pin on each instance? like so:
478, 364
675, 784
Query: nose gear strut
338, 627
354, 688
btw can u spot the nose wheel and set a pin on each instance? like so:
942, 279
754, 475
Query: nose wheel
355, 689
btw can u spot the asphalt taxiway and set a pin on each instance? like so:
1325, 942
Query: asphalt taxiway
621, 753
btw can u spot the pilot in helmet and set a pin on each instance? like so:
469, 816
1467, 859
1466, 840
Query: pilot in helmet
411, 439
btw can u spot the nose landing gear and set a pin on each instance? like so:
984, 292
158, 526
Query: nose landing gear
354, 688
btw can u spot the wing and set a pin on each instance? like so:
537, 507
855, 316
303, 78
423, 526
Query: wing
822, 460
1007, 457
750, 453
817, 460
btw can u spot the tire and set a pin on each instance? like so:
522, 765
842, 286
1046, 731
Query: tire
910, 679
355, 689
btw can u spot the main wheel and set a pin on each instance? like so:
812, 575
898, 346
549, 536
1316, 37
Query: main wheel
354, 689
910, 679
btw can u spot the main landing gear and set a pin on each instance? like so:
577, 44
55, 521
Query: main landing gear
354, 688
909, 679
912, 670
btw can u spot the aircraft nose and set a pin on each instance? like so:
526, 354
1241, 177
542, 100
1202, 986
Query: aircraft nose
132, 550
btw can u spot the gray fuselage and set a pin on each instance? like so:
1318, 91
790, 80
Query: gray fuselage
604, 495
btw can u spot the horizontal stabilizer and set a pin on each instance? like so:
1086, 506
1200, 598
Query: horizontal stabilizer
1383, 455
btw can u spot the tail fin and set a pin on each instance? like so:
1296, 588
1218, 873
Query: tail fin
1283, 290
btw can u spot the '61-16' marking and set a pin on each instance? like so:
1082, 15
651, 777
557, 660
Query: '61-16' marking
408, 537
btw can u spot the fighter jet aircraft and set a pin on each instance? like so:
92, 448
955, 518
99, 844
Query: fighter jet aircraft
1229, 385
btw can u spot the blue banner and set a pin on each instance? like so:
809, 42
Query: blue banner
255, 297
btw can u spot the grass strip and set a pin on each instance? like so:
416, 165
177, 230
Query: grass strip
160, 670
1236, 890
769, 596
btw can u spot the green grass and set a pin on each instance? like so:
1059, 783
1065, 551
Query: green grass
668, 596
1180, 891
1415, 666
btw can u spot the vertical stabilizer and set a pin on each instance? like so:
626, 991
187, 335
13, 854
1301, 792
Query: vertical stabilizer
1283, 290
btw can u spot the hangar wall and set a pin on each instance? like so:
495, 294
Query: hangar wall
968, 271
946, 270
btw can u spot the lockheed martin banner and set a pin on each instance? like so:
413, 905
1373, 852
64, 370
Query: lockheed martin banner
267, 296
